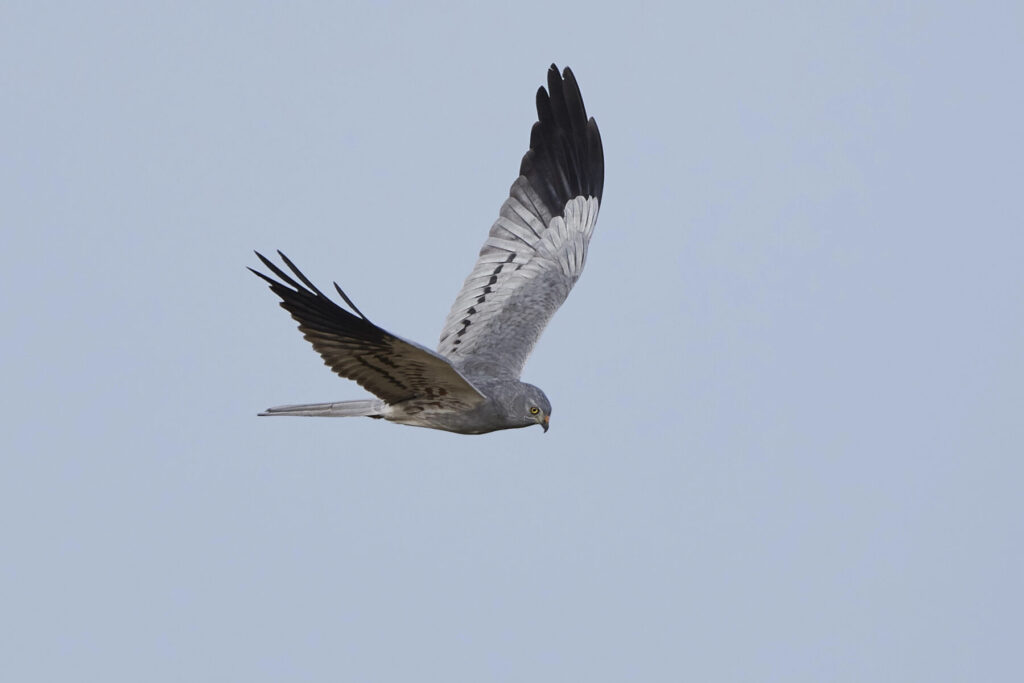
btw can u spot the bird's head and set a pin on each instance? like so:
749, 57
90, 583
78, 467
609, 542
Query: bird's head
533, 407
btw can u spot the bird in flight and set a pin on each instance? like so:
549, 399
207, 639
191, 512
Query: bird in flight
532, 257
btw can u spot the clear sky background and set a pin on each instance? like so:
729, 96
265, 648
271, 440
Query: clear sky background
788, 390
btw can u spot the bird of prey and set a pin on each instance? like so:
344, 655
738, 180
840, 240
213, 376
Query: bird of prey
532, 257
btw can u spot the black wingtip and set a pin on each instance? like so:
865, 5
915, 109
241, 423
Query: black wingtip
350, 302
309, 291
566, 158
263, 259
299, 274
258, 274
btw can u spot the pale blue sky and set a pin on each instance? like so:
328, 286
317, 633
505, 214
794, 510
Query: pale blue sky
788, 391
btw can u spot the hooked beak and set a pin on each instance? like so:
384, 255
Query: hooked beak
544, 423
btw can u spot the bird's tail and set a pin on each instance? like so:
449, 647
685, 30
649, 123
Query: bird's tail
364, 408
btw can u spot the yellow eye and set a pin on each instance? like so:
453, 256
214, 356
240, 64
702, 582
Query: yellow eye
534, 410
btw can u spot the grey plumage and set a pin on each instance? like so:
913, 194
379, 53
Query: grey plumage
533, 255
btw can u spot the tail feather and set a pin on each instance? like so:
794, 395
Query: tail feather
364, 408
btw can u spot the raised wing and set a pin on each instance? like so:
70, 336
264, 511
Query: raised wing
387, 366
536, 249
